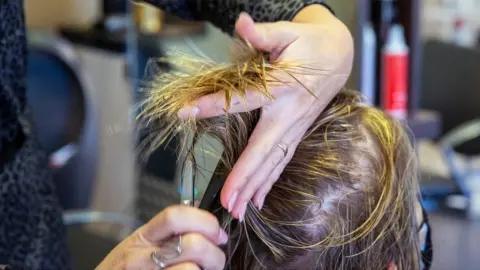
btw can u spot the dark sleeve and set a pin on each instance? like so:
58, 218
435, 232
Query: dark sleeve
224, 13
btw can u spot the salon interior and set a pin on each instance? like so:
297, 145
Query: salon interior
88, 58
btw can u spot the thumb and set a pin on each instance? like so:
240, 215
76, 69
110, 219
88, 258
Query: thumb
267, 37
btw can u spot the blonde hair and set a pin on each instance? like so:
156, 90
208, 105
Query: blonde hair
347, 198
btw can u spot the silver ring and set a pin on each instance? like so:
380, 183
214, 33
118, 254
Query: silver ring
159, 259
284, 148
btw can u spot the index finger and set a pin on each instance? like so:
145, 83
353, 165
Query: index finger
177, 220
254, 97
216, 104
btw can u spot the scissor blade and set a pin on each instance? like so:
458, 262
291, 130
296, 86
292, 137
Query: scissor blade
213, 189
187, 195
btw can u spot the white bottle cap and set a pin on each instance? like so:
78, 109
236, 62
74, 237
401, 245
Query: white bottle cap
396, 40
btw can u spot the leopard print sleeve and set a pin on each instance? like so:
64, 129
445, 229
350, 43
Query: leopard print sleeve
223, 13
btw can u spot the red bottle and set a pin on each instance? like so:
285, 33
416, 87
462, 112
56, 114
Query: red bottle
395, 73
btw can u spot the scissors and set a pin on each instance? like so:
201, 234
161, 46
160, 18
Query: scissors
187, 189
210, 200
173, 247
188, 192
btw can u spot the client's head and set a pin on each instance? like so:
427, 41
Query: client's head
346, 200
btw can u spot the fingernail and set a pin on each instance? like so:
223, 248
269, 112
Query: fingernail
260, 204
223, 237
188, 112
392, 266
242, 212
275, 54
232, 202
195, 111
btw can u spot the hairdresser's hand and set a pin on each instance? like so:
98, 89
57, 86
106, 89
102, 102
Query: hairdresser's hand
201, 235
315, 39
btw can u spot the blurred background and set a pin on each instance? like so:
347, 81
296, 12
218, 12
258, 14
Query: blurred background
87, 59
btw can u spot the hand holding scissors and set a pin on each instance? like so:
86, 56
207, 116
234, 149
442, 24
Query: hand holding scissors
173, 240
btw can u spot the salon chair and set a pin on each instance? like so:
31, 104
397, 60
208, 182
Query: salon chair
64, 113
451, 86
65, 116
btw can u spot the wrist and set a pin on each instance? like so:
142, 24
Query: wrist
314, 13
320, 16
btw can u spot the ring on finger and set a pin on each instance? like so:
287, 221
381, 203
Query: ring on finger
160, 259
284, 148
161, 264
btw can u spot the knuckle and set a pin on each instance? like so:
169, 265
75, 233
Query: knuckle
213, 221
219, 102
170, 216
204, 253
196, 244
